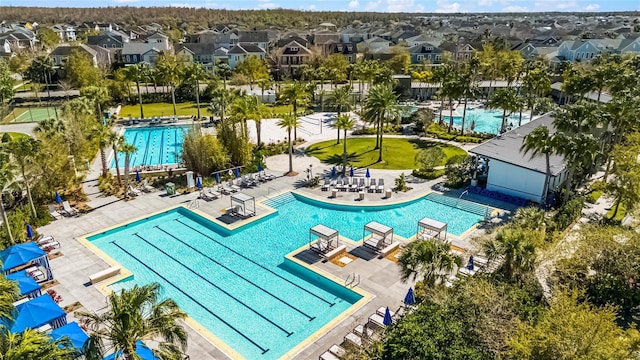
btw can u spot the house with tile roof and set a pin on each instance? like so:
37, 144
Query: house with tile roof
293, 56
148, 51
240, 52
588, 49
425, 53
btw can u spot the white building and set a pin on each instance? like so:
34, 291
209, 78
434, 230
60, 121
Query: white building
514, 173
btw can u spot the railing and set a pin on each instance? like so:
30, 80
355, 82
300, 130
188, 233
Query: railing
193, 204
352, 280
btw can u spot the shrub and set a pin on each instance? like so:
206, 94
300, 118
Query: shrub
469, 139
567, 214
429, 158
458, 170
429, 175
401, 183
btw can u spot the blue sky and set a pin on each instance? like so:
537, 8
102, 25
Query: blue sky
365, 5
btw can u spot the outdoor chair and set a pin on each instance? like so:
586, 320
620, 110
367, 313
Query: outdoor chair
54, 214
326, 184
146, 187
361, 185
354, 184
214, 193
68, 209
380, 186
373, 186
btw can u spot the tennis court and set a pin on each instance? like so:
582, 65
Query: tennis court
31, 114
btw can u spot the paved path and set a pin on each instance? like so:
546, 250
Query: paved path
24, 128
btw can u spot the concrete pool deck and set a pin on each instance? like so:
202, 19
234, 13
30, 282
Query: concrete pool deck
379, 277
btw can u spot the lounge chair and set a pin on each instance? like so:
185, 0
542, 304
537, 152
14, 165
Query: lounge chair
204, 195
146, 187
354, 339
378, 320
375, 243
321, 246
361, 185
326, 185
253, 180
328, 356
337, 350
50, 244
354, 184
226, 190
68, 209
133, 191
234, 188
372, 186
382, 310
45, 239
380, 186
366, 333
215, 194
54, 214
340, 185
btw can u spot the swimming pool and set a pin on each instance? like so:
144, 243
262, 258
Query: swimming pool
155, 145
238, 284
484, 120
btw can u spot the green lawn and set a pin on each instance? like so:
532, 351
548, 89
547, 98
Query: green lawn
622, 212
15, 135
397, 153
163, 109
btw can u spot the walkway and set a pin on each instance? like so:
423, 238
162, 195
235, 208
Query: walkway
24, 128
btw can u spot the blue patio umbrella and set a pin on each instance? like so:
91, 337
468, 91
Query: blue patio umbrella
409, 299
20, 254
237, 172
141, 349
74, 332
367, 175
259, 167
199, 182
333, 172
217, 178
351, 172
138, 176
28, 287
29, 231
387, 317
38, 312
470, 264
58, 198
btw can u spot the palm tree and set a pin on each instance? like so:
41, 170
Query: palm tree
127, 149
262, 112
540, 143
516, 247
220, 101
507, 100
171, 71
289, 122
344, 122
381, 107
341, 100
244, 108
136, 73
135, 315
23, 150
580, 151
196, 73
296, 94
115, 140
536, 83
468, 87
9, 293
7, 181
223, 71
31, 344
440, 75
50, 127
103, 135
429, 259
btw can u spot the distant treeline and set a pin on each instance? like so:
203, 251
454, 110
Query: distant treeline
193, 18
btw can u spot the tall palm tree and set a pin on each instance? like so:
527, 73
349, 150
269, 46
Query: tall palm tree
116, 140
50, 127
196, 73
341, 100
171, 72
31, 344
103, 135
7, 181
442, 74
135, 315
244, 108
344, 123
127, 149
22, 151
136, 73
580, 151
223, 71
9, 293
221, 100
536, 83
507, 100
515, 247
540, 143
429, 259
296, 94
289, 122
380, 108
262, 112
468, 87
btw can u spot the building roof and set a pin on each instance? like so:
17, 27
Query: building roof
506, 148
253, 37
299, 49
66, 50
198, 48
246, 49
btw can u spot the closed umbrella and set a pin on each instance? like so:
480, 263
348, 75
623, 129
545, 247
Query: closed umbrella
259, 167
367, 175
199, 182
333, 172
29, 232
237, 172
217, 178
409, 299
138, 176
351, 172
470, 264
58, 198
387, 317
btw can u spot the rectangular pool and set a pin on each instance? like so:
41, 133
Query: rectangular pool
155, 145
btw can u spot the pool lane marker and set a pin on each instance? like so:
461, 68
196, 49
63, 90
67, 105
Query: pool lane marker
267, 269
192, 299
235, 273
289, 333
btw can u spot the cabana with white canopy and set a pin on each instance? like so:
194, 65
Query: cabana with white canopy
431, 229
380, 236
243, 205
323, 239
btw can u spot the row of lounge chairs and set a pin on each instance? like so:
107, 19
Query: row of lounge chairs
47, 242
67, 209
143, 187
343, 184
208, 194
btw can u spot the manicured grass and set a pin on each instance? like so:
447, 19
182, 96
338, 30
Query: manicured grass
397, 153
164, 109
281, 110
15, 135
622, 212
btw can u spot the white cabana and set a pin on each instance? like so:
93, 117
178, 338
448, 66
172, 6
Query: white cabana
243, 205
379, 236
431, 229
323, 239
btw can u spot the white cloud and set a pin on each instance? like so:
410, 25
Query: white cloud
125, 1
485, 2
515, 9
403, 6
308, 8
267, 5
592, 7
354, 4
185, 5
567, 5
373, 5
443, 6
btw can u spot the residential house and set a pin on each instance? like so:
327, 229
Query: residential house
421, 39
425, 53
257, 38
18, 38
100, 57
324, 39
148, 51
285, 40
293, 56
240, 52
529, 51
376, 44
461, 51
66, 32
349, 51
5, 48
586, 50
201, 53
107, 40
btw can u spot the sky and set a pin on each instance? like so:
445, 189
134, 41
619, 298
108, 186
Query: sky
440, 6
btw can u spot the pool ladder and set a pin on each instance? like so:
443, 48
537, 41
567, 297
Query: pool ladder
193, 204
352, 280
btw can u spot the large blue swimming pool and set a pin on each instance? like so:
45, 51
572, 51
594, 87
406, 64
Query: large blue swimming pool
155, 145
484, 120
238, 284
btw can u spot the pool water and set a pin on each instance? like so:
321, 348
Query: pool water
155, 145
486, 121
238, 284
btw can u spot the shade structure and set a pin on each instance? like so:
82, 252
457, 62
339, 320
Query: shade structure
217, 178
333, 172
409, 299
243, 205
38, 312
470, 264
28, 287
367, 175
141, 349
23, 254
74, 332
351, 172
58, 199
29, 231
259, 167
322, 238
138, 176
237, 172
199, 182
387, 317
